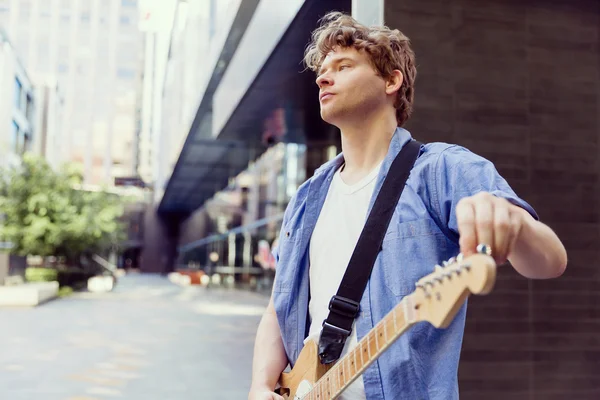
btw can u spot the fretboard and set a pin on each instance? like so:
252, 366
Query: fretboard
357, 360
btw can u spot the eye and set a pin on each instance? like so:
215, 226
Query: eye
344, 67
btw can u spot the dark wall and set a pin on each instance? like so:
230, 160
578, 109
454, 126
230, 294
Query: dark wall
195, 227
161, 232
518, 82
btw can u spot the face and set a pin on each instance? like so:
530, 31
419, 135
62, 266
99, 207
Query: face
349, 87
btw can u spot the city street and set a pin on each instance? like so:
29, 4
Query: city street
147, 340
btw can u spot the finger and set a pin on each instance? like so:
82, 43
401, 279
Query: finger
465, 220
516, 223
484, 221
502, 230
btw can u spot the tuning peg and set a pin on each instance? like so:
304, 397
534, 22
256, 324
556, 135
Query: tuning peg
484, 249
449, 262
459, 257
438, 268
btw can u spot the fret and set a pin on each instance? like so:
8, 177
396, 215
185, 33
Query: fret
332, 387
333, 371
356, 368
395, 324
372, 351
376, 340
361, 349
385, 330
379, 333
353, 366
392, 330
344, 374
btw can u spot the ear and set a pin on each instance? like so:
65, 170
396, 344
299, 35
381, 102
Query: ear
394, 82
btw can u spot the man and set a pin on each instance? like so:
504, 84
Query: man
452, 201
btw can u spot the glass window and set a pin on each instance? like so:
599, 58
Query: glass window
128, 3
29, 110
24, 11
125, 20
26, 145
14, 139
18, 92
125, 73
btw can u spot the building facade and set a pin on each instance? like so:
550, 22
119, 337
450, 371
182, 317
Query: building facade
17, 104
48, 140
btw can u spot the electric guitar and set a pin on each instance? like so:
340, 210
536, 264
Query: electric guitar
436, 299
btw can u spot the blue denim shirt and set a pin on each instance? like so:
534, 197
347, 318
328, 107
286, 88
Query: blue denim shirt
423, 362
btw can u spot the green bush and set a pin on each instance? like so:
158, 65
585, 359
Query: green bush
33, 274
44, 212
65, 291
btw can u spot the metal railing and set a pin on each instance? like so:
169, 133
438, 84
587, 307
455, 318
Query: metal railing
241, 255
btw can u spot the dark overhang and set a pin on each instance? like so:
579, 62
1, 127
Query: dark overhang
208, 162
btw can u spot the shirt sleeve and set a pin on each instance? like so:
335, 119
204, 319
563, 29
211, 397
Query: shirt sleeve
460, 173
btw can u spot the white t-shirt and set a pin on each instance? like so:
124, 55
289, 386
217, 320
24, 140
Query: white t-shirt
333, 240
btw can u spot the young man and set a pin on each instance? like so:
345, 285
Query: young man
452, 201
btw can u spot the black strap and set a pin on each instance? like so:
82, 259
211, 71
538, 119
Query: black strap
345, 305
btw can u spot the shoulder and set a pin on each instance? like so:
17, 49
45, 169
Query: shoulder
448, 153
444, 158
297, 200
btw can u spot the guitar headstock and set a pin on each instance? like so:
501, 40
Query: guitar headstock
440, 295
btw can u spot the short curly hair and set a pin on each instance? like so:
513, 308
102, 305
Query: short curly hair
388, 50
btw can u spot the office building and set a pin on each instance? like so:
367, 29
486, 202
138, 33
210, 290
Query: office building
93, 50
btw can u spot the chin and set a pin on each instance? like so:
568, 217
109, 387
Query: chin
329, 117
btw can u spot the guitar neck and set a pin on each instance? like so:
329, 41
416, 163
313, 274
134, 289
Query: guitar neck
357, 360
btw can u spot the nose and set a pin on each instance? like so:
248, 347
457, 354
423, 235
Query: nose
324, 80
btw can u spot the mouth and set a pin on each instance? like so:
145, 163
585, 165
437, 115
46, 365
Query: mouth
325, 95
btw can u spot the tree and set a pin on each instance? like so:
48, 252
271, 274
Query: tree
46, 213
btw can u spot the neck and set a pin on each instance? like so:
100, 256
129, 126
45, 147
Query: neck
365, 142
370, 347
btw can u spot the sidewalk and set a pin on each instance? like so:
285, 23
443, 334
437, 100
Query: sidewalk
148, 340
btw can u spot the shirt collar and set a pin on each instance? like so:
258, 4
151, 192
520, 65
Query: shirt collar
400, 138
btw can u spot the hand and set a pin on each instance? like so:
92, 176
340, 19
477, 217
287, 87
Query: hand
263, 394
487, 219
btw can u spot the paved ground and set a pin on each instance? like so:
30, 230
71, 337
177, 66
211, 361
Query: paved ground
148, 340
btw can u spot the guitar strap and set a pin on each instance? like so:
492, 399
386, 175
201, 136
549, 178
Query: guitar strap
345, 305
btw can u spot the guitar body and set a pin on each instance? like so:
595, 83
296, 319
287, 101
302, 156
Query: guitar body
308, 370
